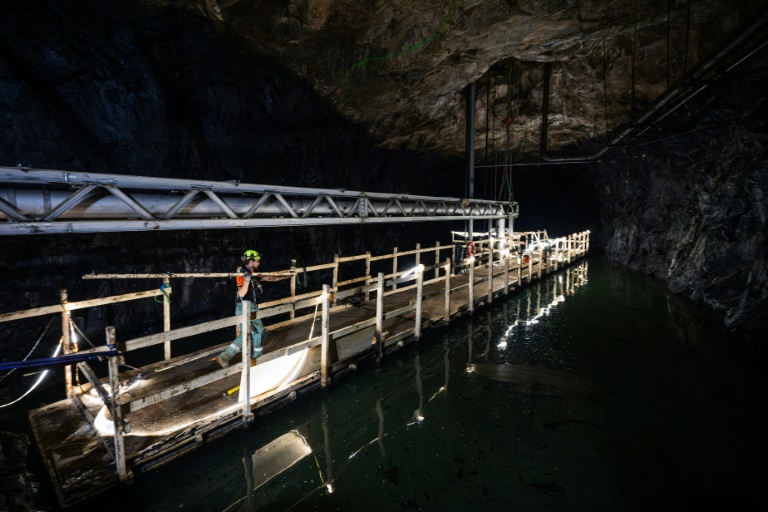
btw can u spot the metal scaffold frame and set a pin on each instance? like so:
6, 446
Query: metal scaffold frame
38, 201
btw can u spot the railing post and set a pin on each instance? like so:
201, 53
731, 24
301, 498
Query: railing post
471, 283
418, 254
325, 342
519, 271
538, 298
66, 341
379, 317
541, 262
367, 274
530, 267
334, 285
437, 260
245, 377
490, 267
506, 272
117, 413
448, 290
166, 317
419, 299
394, 267
293, 292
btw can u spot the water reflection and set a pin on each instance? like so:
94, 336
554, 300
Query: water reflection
418, 414
512, 366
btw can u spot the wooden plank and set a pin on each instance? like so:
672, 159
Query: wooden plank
173, 391
115, 299
335, 335
183, 332
31, 313
95, 382
398, 312
346, 259
354, 291
354, 343
392, 340
352, 281
285, 300
317, 267
275, 310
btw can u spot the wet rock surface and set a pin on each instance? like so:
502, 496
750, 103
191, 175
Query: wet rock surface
17, 487
691, 208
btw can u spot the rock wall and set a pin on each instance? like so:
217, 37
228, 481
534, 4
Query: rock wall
689, 203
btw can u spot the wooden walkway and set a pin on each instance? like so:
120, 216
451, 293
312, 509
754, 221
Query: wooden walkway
172, 407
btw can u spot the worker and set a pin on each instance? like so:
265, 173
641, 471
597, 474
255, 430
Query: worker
248, 288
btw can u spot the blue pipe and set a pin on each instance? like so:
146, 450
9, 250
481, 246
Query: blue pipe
51, 361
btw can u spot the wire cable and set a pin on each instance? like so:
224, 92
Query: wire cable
32, 350
39, 380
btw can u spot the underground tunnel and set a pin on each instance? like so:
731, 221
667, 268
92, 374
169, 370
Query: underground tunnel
505, 254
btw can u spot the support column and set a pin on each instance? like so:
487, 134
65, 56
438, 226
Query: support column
470, 149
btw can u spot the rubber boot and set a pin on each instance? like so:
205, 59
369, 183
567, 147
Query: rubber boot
257, 341
225, 357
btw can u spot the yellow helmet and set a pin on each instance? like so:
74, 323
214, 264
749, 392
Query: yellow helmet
250, 254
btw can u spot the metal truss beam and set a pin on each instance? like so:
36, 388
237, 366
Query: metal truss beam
37, 201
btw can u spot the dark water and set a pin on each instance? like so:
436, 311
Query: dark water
613, 395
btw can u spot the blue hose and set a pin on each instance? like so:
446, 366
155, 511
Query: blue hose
53, 361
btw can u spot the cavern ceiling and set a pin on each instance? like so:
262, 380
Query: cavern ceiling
400, 68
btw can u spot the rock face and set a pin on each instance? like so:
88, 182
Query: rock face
398, 68
692, 208
18, 489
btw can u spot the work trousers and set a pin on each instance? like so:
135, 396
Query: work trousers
256, 331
